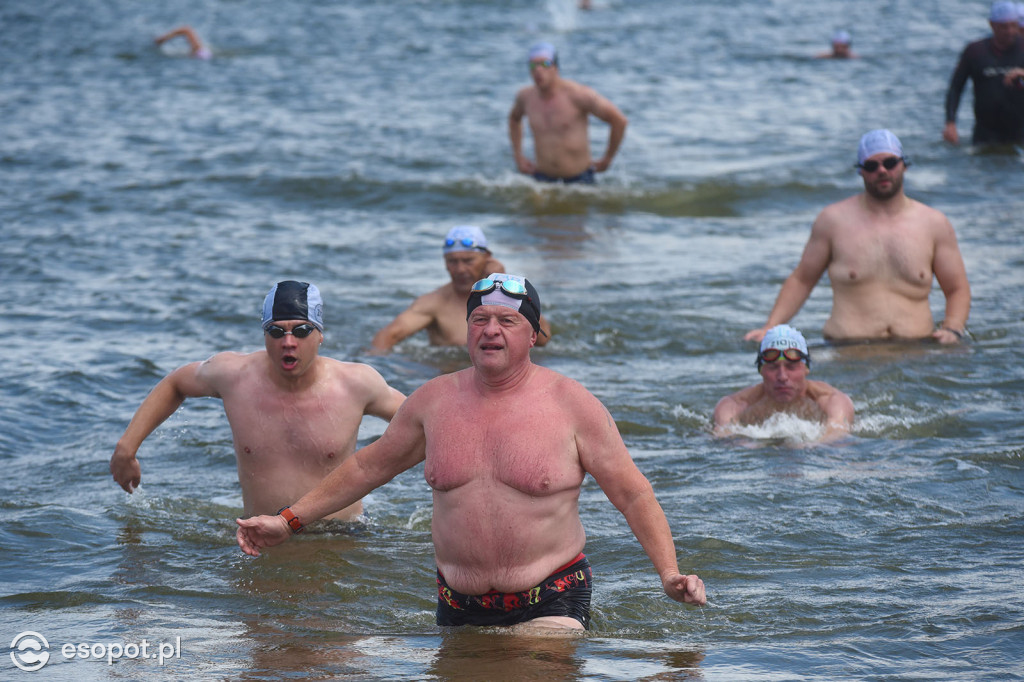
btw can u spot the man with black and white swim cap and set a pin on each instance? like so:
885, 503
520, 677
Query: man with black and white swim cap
294, 414
506, 445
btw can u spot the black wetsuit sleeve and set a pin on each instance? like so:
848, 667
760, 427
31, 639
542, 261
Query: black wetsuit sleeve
956, 87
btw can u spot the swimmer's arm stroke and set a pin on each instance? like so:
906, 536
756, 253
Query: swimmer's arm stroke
402, 447
604, 456
194, 380
798, 286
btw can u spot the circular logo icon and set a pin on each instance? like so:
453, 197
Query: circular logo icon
29, 651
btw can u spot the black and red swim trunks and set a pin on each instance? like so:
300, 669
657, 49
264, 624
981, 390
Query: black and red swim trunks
566, 592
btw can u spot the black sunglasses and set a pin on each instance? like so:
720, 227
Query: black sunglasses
888, 163
299, 332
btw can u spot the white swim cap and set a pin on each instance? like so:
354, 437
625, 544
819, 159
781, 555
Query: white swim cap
1003, 12
544, 51
876, 142
841, 38
465, 238
782, 337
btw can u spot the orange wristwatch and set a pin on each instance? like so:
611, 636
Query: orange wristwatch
291, 519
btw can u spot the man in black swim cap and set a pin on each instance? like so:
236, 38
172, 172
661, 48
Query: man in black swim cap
294, 414
506, 445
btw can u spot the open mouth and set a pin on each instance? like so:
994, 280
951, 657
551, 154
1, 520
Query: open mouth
289, 361
491, 346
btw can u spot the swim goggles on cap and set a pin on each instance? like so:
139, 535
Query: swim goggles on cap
889, 163
299, 332
771, 355
468, 242
508, 286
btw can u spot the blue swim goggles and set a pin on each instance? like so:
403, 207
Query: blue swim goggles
510, 287
467, 242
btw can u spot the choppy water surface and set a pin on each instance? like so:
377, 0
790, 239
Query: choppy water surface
148, 201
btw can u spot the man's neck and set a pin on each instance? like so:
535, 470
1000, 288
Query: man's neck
887, 206
503, 382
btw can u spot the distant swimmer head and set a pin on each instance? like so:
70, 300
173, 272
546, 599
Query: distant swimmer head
783, 341
511, 291
465, 238
841, 38
1003, 12
291, 300
544, 51
877, 142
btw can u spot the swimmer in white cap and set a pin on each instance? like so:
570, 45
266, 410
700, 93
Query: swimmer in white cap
993, 65
294, 414
783, 361
559, 110
882, 250
841, 44
442, 312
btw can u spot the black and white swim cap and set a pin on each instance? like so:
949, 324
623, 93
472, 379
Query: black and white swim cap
291, 300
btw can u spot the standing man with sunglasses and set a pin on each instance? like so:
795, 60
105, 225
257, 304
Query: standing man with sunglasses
881, 250
783, 362
998, 97
559, 111
442, 312
506, 446
294, 414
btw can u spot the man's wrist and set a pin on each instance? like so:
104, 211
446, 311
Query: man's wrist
291, 519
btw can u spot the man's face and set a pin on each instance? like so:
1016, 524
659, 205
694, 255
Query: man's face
1003, 33
841, 50
291, 355
499, 337
543, 71
881, 182
785, 381
465, 268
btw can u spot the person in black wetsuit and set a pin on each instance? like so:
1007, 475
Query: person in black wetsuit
998, 104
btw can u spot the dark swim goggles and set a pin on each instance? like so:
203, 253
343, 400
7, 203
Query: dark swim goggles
771, 355
510, 287
299, 332
888, 163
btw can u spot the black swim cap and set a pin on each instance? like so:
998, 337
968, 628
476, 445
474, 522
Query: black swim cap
528, 307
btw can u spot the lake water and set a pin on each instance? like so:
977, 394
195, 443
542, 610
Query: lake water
148, 201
